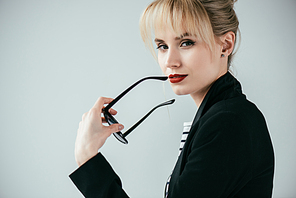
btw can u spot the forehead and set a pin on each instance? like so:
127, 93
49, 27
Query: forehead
167, 31
169, 35
179, 27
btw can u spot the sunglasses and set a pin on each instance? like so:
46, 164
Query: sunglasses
111, 120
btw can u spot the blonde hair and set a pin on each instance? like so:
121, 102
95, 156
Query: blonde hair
205, 19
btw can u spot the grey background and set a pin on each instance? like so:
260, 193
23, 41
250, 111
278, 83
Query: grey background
57, 57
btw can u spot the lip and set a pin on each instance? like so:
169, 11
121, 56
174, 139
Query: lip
176, 78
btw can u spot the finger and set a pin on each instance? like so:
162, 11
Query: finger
114, 128
84, 115
101, 101
94, 114
104, 120
79, 127
112, 111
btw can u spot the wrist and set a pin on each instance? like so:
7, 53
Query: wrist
83, 155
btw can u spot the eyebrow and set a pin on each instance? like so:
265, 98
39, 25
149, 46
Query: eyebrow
182, 36
176, 38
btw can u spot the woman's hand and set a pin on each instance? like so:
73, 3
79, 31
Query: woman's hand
92, 134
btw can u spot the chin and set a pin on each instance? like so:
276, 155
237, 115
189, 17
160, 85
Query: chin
180, 92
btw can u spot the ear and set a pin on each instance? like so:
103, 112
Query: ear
227, 40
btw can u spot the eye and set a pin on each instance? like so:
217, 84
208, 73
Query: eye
187, 43
162, 47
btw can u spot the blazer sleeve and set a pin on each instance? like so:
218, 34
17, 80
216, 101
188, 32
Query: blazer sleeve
97, 179
217, 161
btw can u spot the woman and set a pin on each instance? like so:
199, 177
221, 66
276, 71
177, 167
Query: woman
228, 152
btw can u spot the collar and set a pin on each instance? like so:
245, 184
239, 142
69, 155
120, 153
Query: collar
225, 87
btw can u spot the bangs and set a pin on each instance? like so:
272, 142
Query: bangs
181, 16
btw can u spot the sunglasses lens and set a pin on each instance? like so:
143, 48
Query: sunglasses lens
119, 136
111, 120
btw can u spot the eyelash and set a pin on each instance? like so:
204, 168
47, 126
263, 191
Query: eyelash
187, 42
160, 46
191, 43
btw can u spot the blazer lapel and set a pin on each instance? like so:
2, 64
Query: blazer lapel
225, 87
180, 162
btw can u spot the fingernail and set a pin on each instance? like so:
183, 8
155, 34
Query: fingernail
120, 127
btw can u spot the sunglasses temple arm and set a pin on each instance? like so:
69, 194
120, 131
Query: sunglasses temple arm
142, 119
163, 78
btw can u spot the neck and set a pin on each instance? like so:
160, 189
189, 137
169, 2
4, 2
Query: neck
198, 97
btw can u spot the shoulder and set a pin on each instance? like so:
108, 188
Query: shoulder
237, 109
235, 119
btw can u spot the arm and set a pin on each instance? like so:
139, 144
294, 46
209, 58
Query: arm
95, 177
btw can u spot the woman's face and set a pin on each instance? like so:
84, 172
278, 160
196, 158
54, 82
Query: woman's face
189, 63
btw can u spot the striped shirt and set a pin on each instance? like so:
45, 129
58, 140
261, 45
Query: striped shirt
186, 130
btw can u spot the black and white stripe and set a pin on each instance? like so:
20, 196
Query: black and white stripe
186, 130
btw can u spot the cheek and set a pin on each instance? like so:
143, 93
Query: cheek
161, 63
198, 60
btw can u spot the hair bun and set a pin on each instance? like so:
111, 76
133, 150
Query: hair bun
233, 2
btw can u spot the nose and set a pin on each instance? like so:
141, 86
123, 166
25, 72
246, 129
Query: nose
173, 59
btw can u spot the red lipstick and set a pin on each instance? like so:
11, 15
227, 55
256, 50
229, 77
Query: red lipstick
175, 78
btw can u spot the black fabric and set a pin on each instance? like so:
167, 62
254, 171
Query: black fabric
228, 153
96, 179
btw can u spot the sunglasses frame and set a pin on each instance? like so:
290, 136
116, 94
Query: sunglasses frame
111, 120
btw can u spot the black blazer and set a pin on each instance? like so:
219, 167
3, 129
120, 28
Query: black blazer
228, 153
